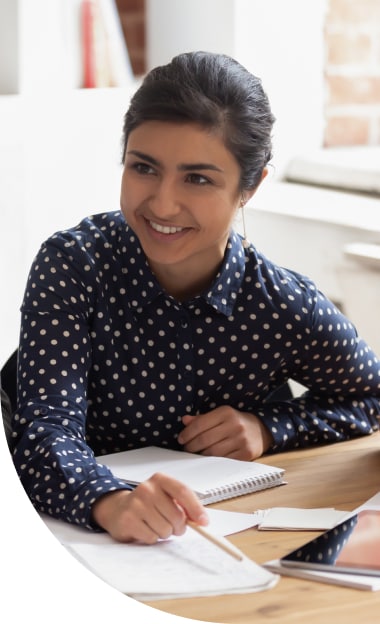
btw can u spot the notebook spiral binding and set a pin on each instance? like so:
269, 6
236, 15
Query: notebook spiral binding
240, 487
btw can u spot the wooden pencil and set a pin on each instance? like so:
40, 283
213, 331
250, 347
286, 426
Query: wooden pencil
214, 540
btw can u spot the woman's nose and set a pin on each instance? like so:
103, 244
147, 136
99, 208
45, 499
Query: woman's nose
165, 201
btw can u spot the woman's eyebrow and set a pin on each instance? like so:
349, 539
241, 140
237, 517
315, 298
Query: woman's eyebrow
182, 167
143, 156
199, 167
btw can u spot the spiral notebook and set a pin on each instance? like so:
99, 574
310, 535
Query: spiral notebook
212, 478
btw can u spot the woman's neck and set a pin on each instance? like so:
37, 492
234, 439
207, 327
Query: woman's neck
183, 284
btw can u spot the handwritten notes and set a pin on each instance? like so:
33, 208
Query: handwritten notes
183, 566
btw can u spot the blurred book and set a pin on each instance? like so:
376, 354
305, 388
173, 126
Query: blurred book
105, 58
61, 45
121, 69
89, 20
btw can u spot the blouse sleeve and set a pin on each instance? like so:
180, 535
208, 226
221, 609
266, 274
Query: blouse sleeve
341, 374
53, 460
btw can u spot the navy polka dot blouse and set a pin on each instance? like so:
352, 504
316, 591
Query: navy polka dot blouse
108, 361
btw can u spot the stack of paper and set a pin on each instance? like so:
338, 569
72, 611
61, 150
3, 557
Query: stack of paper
183, 566
174, 568
294, 519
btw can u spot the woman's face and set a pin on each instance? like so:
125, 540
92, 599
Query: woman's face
180, 193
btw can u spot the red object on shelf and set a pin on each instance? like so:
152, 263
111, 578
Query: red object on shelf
88, 44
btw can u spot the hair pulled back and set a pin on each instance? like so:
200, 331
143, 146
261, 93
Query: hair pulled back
216, 92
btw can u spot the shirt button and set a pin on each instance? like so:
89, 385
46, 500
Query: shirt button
184, 322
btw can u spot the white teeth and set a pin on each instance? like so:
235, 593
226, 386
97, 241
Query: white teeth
165, 229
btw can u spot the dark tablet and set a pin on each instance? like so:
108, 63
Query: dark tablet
353, 546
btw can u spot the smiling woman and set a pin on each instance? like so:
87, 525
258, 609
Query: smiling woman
180, 194
160, 325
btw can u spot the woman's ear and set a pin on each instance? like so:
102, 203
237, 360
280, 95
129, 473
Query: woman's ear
264, 174
249, 193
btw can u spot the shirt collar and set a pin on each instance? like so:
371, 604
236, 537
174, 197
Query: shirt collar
141, 281
224, 290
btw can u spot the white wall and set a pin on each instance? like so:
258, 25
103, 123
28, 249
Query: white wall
279, 41
282, 41
175, 26
9, 46
60, 146
59, 161
39, 47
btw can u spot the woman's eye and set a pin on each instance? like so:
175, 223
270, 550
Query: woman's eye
197, 178
143, 168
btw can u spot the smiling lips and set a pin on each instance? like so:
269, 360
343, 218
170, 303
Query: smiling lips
165, 229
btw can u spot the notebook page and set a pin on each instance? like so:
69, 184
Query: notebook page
198, 472
185, 566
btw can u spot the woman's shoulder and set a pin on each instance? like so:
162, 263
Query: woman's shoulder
103, 224
92, 231
94, 239
276, 277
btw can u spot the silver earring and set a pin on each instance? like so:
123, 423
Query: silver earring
242, 205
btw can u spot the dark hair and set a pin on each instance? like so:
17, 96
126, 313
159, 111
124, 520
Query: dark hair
216, 92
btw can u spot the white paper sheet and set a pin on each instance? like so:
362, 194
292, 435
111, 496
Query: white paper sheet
296, 519
186, 566
229, 522
220, 523
371, 503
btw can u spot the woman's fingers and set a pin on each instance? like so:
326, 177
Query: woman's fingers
156, 509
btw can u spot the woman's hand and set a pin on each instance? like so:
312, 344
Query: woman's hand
157, 508
225, 432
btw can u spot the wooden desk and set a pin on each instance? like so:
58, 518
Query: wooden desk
343, 476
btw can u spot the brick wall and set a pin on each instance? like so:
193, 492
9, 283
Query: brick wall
351, 66
352, 73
